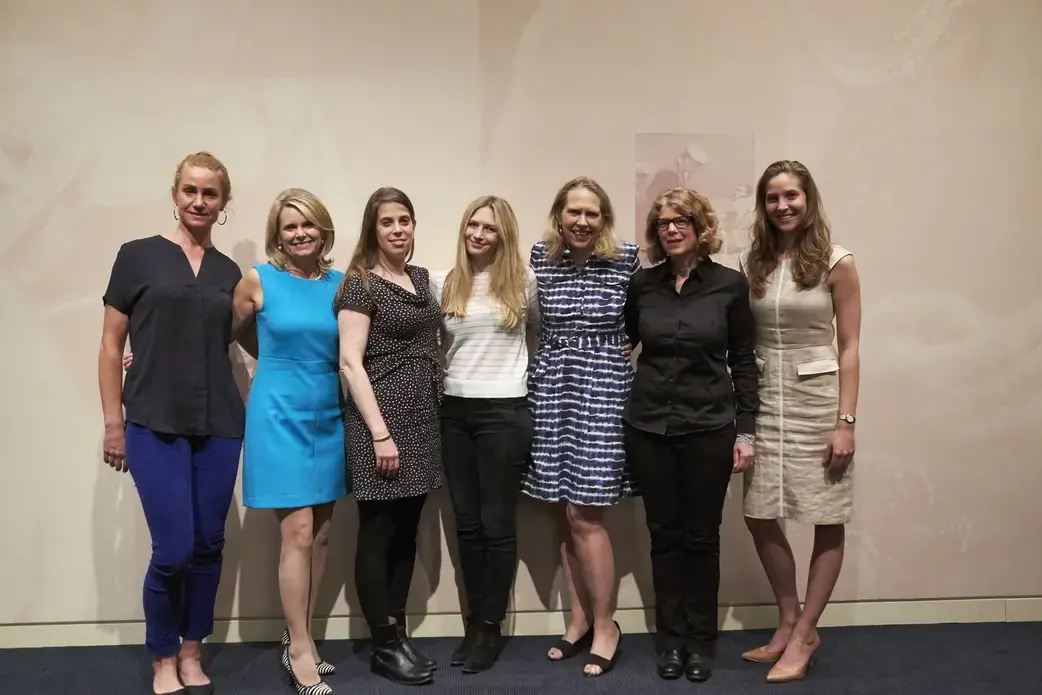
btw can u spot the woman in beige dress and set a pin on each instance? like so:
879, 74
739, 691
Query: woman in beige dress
800, 283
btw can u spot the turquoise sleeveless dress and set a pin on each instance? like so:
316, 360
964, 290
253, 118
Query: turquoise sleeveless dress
293, 453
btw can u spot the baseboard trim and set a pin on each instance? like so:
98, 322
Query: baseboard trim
550, 623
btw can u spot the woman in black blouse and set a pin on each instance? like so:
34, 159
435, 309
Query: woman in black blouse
181, 434
690, 417
389, 323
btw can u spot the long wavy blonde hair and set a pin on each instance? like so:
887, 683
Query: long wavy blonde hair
314, 211
367, 250
605, 246
812, 247
506, 274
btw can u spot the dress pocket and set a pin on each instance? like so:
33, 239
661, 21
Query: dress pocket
817, 367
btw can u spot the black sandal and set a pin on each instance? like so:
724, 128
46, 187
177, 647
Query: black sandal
605, 665
571, 649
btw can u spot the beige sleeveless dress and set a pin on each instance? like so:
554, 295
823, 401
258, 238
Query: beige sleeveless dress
799, 400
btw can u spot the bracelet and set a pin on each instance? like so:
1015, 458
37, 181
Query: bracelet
382, 439
745, 438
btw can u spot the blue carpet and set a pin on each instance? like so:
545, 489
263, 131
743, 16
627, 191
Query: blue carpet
970, 659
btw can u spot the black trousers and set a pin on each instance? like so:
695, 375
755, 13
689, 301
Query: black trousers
485, 445
683, 480
386, 555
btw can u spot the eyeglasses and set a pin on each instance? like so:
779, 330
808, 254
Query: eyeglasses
681, 223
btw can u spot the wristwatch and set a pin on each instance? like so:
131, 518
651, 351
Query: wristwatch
847, 418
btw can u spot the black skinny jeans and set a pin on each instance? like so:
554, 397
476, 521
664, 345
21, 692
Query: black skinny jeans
684, 479
386, 555
485, 445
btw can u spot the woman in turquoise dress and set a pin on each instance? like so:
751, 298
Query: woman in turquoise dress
293, 454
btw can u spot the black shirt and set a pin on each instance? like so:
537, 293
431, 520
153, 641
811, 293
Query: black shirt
688, 343
181, 379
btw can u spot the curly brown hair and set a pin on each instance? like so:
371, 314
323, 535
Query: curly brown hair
687, 202
812, 247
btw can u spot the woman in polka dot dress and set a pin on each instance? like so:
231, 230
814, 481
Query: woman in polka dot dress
389, 323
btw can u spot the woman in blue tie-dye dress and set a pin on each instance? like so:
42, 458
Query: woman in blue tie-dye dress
578, 386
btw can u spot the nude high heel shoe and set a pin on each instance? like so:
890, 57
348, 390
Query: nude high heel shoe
787, 675
762, 655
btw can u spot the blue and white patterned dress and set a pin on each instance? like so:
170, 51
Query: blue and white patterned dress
579, 383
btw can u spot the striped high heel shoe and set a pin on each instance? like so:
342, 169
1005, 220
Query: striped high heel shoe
319, 688
324, 668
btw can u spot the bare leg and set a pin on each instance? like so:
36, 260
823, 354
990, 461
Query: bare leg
825, 564
322, 521
780, 566
165, 676
189, 664
597, 576
579, 606
295, 588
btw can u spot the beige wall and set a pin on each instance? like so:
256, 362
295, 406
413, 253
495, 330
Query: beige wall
920, 118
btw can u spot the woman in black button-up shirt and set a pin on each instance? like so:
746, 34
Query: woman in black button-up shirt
181, 434
690, 417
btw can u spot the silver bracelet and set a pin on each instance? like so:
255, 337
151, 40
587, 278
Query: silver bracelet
744, 438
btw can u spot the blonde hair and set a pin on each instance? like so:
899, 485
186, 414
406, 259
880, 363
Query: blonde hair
506, 274
205, 160
605, 246
812, 246
687, 202
367, 250
314, 211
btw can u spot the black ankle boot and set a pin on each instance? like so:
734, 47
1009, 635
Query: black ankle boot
391, 661
409, 647
486, 648
460, 654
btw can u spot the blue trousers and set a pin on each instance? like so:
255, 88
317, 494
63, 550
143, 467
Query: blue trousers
186, 486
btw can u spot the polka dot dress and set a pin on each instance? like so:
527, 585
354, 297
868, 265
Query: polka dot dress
401, 358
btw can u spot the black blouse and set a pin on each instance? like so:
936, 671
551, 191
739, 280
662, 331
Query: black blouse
181, 379
697, 369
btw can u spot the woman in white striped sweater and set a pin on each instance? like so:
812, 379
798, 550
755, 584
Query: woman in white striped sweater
490, 330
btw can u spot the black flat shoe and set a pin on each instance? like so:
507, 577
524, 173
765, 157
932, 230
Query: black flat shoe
486, 649
199, 689
605, 665
670, 664
698, 668
462, 650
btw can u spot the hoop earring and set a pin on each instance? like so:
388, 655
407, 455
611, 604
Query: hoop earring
225, 218
176, 216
